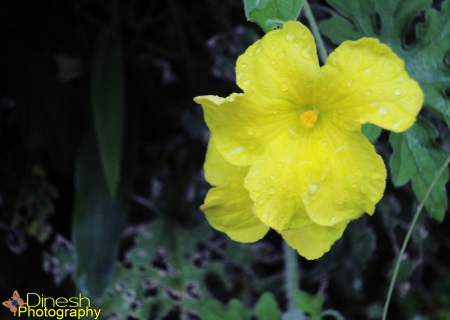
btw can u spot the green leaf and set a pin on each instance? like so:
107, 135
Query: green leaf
107, 92
371, 131
424, 46
417, 157
310, 304
267, 308
214, 310
270, 14
362, 241
98, 219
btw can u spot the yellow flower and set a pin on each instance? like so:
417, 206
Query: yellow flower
290, 152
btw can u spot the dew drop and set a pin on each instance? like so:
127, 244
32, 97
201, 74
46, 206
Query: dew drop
373, 199
312, 188
274, 47
239, 75
251, 54
350, 83
324, 141
275, 211
259, 50
272, 62
280, 165
397, 91
284, 87
247, 82
295, 45
255, 194
306, 199
272, 191
376, 176
272, 177
354, 185
290, 37
261, 202
307, 53
307, 177
368, 92
251, 131
264, 181
244, 65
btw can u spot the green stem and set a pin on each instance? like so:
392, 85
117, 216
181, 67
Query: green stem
291, 281
408, 235
315, 31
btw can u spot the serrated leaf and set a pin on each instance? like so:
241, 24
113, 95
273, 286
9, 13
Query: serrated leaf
424, 46
107, 94
371, 131
269, 14
417, 157
267, 308
309, 303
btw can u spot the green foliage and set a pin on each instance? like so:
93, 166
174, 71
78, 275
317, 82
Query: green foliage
267, 308
214, 310
371, 131
311, 304
107, 90
98, 220
417, 157
424, 44
270, 14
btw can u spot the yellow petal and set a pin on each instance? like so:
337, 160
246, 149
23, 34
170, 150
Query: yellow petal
314, 241
219, 172
242, 124
365, 81
354, 176
281, 65
228, 207
275, 183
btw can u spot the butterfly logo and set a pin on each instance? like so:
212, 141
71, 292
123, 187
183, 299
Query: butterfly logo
14, 302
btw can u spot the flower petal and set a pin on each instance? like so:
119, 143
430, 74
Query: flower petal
367, 82
241, 125
314, 241
281, 65
275, 183
219, 172
354, 177
228, 207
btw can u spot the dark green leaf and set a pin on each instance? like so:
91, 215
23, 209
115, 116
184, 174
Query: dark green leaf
267, 308
107, 92
371, 131
214, 310
417, 157
98, 220
269, 14
362, 241
424, 46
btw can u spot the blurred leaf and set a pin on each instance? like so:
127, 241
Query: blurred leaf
269, 14
163, 271
362, 241
98, 219
108, 99
267, 308
69, 67
310, 304
61, 263
214, 310
371, 131
417, 157
414, 30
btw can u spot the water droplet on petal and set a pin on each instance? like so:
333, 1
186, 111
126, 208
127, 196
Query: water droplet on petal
354, 185
397, 91
275, 211
368, 92
307, 53
272, 191
247, 82
272, 176
251, 54
290, 37
284, 87
350, 83
244, 65
255, 194
251, 131
259, 50
264, 181
261, 202
307, 177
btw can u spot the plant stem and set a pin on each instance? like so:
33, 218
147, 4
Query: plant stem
291, 281
315, 31
408, 235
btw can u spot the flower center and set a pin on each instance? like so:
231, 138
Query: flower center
308, 118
